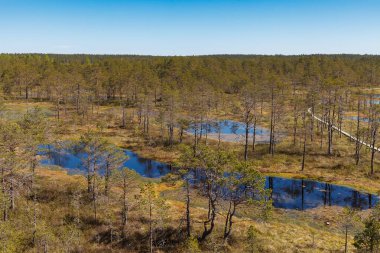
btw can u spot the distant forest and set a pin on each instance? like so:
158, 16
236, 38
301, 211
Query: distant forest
105, 78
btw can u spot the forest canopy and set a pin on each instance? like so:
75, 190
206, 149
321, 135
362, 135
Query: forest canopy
108, 77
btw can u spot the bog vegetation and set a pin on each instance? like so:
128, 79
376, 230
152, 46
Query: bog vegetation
214, 200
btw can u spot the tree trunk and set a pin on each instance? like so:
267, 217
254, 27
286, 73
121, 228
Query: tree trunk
295, 115
188, 221
12, 195
125, 206
34, 232
357, 146
94, 198
219, 135
195, 140
304, 142
89, 185
106, 180
77, 98
5, 206
26, 92
58, 110
94, 193
45, 247
150, 228
254, 135
211, 218
271, 137
246, 140
312, 121
374, 133
346, 241
228, 222
171, 133
329, 134
329, 148
123, 123
180, 134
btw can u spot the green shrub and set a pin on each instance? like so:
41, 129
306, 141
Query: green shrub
369, 239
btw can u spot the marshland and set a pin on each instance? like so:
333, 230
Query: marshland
188, 154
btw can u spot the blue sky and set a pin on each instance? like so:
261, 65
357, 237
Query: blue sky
190, 27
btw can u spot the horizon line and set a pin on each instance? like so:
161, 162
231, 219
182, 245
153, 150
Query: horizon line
190, 55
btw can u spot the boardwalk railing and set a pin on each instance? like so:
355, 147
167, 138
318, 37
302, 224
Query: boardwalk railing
343, 132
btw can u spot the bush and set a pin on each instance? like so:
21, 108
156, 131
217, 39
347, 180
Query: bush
251, 239
170, 179
369, 239
192, 245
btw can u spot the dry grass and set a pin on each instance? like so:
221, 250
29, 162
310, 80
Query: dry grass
286, 231
338, 169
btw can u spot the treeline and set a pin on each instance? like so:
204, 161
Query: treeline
177, 91
54, 77
174, 92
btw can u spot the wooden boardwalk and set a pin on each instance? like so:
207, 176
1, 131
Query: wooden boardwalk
343, 132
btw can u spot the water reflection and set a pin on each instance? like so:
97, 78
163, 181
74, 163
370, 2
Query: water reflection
226, 127
72, 160
286, 193
363, 119
304, 194
230, 131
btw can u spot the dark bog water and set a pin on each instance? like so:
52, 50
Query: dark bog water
227, 127
286, 193
355, 118
363, 119
72, 161
232, 131
304, 194
373, 99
